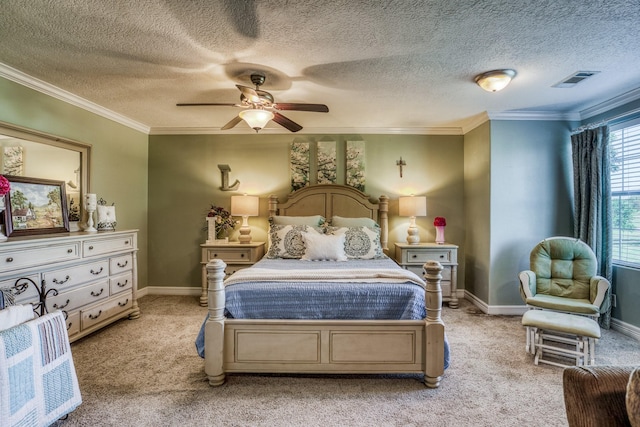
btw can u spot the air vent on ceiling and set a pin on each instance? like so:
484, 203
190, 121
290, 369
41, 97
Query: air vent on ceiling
575, 78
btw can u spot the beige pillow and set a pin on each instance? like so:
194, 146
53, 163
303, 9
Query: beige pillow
633, 398
324, 247
339, 221
311, 221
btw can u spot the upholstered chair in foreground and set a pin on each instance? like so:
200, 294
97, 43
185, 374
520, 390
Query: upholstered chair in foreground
562, 277
598, 396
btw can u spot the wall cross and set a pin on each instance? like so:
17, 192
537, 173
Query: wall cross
401, 163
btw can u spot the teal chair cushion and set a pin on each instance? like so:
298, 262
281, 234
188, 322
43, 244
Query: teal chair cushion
563, 268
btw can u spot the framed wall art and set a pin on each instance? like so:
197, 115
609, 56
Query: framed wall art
35, 206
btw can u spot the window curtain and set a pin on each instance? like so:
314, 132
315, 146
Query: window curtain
592, 201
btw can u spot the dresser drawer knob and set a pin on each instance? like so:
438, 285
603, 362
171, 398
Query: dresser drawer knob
60, 282
69, 251
9, 259
60, 307
90, 248
92, 317
126, 242
441, 256
93, 294
123, 265
414, 256
95, 273
123, 304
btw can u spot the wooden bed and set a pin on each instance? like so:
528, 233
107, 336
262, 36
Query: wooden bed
325, 346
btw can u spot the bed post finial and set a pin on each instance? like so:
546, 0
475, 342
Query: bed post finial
434, 327
273, 205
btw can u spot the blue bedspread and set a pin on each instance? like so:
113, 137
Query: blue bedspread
346, 299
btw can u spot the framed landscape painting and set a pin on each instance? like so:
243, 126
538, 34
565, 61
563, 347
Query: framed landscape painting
35, 206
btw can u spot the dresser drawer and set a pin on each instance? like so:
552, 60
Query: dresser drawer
65, 278
120, 263
23, 291
101, 312
36, 256
105, 246
230, 255
120, 283
73, 323
422, 256
76, 298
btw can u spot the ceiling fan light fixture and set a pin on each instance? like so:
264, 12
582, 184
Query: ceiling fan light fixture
256, 118
495, 80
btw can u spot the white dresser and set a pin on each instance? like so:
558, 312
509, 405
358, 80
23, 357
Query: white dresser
413, 257
91, 277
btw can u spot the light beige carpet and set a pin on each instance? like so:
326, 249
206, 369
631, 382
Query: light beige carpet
146, 372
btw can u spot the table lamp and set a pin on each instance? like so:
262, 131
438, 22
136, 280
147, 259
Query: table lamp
244, 206
413, 206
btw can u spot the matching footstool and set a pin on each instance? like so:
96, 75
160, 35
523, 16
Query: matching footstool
560, 334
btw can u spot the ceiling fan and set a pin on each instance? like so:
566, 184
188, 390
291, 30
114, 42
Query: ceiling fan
260, 107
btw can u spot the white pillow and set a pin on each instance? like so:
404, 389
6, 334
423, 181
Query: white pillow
360, 242
15, 315
324, 247
286, 241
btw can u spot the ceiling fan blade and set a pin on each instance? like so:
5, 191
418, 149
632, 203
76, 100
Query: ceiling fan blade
318, 108
199, 104
249, 93
285, 122
232, 123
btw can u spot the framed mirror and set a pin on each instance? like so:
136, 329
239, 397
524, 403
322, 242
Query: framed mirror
34, 154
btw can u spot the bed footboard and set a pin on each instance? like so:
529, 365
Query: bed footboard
324, 346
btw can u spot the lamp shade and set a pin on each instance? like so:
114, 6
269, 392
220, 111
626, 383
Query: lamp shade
244, 205
493, 81
256, 118
413, 206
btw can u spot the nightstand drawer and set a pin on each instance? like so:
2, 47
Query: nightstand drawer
230, 255
422, 256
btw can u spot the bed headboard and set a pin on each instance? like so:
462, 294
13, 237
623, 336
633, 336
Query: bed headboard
331, 199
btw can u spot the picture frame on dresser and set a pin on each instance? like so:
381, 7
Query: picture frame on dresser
35, 206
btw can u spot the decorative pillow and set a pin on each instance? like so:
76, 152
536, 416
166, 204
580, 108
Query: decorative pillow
312, 221
286, 241
338, 221
360, 242
633, 398
324, 247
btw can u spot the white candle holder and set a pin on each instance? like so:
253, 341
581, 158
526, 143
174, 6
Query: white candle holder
90, 205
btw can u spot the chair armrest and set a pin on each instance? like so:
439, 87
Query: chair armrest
527, 284
595, 395
599, 286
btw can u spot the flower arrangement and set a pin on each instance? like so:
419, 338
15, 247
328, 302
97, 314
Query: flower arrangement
223, 220
439, 221
5, 185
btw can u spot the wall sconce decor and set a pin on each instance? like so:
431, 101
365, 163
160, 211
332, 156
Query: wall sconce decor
412, 206
245, 206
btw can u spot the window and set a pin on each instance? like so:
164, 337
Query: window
625, 192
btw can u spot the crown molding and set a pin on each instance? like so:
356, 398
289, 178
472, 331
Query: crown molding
43, 87
534, 115
603, 107
453, 130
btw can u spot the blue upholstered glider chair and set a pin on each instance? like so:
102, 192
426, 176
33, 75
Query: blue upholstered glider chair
562, 277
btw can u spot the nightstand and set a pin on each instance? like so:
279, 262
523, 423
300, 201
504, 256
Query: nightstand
236, 255
413, 257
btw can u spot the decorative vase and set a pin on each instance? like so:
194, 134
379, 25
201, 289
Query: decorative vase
3, 237
440, 234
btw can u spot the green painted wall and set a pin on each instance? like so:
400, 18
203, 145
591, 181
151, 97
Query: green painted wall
118, 171
184, 179
477, 191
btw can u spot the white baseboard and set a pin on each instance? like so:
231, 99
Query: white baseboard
518, 310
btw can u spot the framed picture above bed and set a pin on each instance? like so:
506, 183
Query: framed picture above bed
35, 206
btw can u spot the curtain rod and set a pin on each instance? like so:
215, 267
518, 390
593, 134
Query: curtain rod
607, 121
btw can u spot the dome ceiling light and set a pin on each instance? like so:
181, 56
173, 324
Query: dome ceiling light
493, 81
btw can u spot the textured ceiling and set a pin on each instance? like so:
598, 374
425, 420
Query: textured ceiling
403, 65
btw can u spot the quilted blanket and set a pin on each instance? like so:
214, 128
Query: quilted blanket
38, 382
